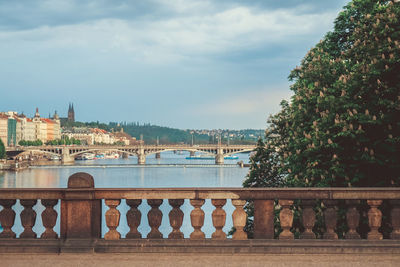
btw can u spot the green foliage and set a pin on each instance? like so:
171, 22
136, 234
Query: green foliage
2, 150
345, 112
65, 140
30, 143
342, 126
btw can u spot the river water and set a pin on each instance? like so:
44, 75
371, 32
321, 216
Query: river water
172, 170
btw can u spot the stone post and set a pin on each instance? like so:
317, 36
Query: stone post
395, 218
263, 219
80, 212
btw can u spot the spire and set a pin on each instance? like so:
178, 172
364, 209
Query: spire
55, 116
37, 115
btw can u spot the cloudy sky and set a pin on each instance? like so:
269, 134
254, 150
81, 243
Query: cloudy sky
178, 63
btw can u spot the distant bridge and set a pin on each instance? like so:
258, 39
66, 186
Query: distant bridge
68, 153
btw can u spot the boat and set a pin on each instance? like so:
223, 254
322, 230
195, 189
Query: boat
207, 157
112, 156
99, 156
88, 156
55, 157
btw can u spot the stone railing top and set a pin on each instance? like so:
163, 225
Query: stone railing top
198, 193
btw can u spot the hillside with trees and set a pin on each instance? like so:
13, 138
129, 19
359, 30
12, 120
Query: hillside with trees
166, 135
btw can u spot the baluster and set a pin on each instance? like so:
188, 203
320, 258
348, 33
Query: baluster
49, 218
308, 219
197, 218
112, 219
218, 218
176, 218
374, 219
154, 217
353, 219
330, 218
395, 218
286, 219
133, 217
28, 218
7, 218
239, 217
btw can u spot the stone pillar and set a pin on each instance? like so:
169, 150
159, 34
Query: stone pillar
395, 218
308, 219
141, 156
374, 219
239, 218
286, 219
80, 212
66, 158
263, 219
192, 153
158, 155
219, 158
141, 159
125, 155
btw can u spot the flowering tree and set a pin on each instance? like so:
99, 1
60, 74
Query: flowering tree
342, 126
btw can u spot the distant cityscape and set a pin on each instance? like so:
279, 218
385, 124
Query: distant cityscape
17, 129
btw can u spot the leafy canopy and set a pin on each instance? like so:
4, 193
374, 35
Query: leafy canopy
342, 126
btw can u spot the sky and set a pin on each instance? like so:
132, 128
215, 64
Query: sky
188, 64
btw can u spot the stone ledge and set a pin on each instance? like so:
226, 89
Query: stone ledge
199, 246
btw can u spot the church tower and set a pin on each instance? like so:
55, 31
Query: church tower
71, 113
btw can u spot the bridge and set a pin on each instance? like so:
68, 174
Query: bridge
69, 153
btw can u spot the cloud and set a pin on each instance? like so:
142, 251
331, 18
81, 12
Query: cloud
172, 39
209, 58
246, 103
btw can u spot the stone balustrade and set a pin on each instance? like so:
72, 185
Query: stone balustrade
80, 213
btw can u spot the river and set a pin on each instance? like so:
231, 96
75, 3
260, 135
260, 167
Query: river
172, 170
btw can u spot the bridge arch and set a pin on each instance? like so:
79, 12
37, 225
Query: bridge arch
237, 152
188, 149
102, 149
27, 152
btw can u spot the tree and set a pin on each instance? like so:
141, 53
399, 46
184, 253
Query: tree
342, 126
345, 112
2, 150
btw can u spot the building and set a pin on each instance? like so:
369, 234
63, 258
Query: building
71, 113
15, 127
27, 129
4, 128
82, 134
125, 138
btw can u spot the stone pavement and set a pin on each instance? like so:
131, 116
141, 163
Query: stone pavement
176, 260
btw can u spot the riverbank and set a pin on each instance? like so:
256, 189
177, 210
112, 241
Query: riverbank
13, 166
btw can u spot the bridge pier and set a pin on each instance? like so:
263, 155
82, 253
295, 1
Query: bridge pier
125, 155
158, 155
66, 158
192, 153
219, 158
141, 159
